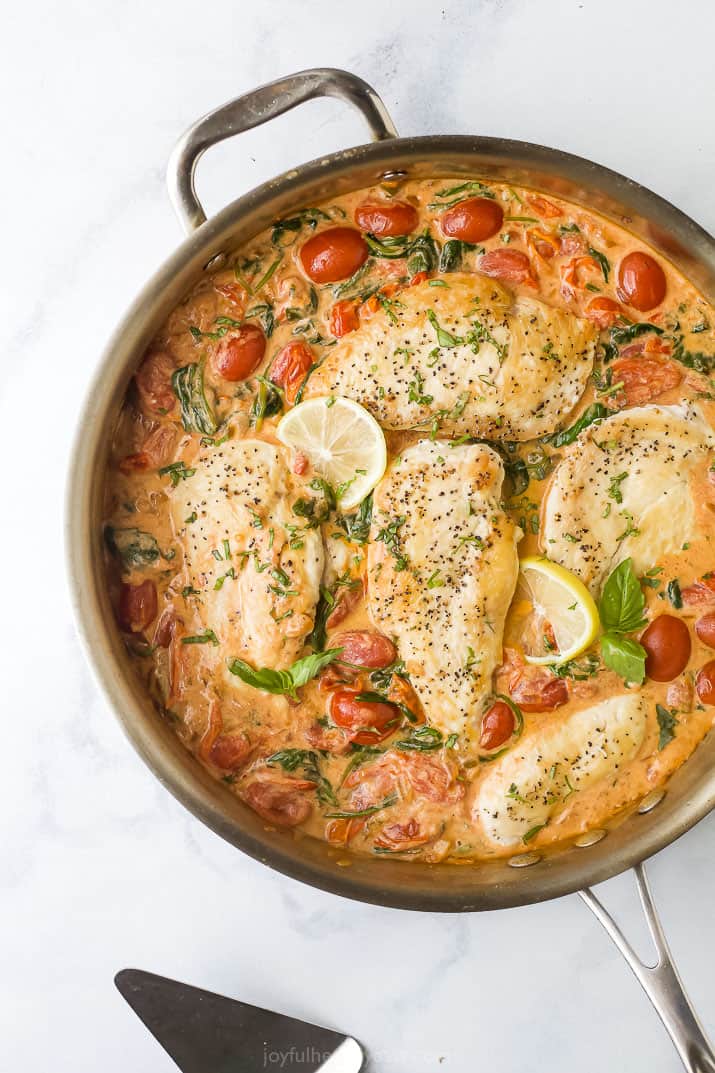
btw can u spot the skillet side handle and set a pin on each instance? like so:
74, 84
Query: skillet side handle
660, 981
257, 107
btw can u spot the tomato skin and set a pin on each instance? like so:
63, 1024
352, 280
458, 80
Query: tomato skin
365, 648
153, 380
641, 281
229, 751
705, 683
344, 318
368, 722
700, 592
472, 220
333, 254
537, 691
290, 368
643, 379
511, 265
402, 836
603, 311
137, 606
543, 208
497, 725
705, 629
386, 218
277, 802
239, 354
667, 644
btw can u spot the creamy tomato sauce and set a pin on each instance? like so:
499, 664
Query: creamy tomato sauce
354, 756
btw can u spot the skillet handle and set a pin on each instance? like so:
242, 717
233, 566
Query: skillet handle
660, 981
257, 107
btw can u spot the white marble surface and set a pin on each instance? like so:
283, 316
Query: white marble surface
100, 867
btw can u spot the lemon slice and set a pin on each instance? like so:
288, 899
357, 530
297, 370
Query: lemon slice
558, 617
342, 440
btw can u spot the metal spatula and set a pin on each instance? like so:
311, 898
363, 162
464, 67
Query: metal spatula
207, 1033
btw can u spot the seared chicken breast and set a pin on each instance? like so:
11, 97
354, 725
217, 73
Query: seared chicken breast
465, 357
524, 788
625, 488
256, 582
442, 568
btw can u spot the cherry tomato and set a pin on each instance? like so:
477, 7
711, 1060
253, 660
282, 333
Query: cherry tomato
402, 836
431, 777
641, 281
419, 277
229, 751
153, 380
278, 802
165, 627
365, 648
544, 208
343, 318
472, 220
368, 722
290, 367
333, 254
497, 725
536, 690
237, 355
602, 310
705, 683
401, 692
137, 606
511, 265
344, 604
700, 592
667, 645
643, 379
705, 629
386, 218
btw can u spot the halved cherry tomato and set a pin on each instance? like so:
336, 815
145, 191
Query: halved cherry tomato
237, 355
156, 451
137, 606
343, 318
705, 629
497, 725
705, 683
290, 367
419, 277
402, 836
542, 243
153, 380
537, 690
472, 220
641, 281
667, 645
544, 208
700, 592
643, 379
229, 751
365, 648
402, 692
387, 218
164, 630
278, 802
348, 599
511, 265
602, 310
339, 832
333, 254
431, 777
368, 722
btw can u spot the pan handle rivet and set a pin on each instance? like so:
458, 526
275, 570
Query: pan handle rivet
651, 800
389, 176
524, 860
217, 261
590, 838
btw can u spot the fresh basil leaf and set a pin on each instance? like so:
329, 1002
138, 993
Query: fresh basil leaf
595, 412
666, 724
422, 255
309, 763
624, 656
626, 334
387, 803
622, 602
263, 678
423, 739
176, 471
303, 670
602, 260
674, 594
357, 526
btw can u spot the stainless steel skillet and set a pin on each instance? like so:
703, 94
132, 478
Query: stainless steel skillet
527, 877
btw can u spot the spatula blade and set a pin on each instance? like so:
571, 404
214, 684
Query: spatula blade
207, 1033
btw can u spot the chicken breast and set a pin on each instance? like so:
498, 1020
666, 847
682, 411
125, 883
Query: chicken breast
525, 787
442, 568
257, 578
465, 358
625, 488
